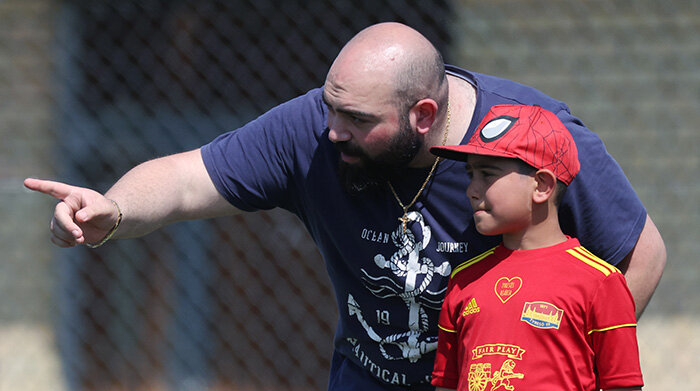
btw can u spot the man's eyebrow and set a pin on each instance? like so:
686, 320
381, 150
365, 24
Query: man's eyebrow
349, 112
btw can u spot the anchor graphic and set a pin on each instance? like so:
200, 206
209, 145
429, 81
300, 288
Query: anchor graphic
407, 267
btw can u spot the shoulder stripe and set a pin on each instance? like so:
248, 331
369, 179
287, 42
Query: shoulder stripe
619, 326
599, 260
587, 257
472, 261
446, 330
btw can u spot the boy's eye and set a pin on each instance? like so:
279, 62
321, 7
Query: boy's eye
470, 173
489, 175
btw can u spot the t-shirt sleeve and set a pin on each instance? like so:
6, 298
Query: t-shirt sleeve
446, 367
612, 329
600, 207
259, 165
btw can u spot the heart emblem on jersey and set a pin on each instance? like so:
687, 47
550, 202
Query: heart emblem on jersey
506, 288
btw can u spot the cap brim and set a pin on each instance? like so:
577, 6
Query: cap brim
461, 152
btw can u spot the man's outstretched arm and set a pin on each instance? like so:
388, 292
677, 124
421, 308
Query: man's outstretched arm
644, 266
149, 196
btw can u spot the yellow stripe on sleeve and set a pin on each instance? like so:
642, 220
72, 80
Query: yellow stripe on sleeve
446, 330
612, 328
472, 261
604, 267
595, 258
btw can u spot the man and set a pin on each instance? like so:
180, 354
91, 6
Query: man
352, 161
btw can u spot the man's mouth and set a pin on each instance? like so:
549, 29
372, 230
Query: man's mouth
349, 153
350, 158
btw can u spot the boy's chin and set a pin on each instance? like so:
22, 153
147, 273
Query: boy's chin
487, 230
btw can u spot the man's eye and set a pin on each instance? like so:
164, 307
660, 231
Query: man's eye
357, 120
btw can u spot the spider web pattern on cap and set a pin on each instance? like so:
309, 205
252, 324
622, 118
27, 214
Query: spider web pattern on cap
529, 133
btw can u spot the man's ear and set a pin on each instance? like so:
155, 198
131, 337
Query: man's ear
422, 115
546, 186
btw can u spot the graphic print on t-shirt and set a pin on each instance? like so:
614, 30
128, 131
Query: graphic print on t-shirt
506, 288
481, 374
405, 274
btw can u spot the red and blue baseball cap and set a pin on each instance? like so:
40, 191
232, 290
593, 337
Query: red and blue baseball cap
529, 133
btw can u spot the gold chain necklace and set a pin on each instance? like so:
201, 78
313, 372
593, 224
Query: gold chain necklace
404, 219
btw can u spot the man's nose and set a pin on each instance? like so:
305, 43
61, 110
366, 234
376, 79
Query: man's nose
336, 131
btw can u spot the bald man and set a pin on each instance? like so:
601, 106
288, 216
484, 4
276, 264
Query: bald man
351, 159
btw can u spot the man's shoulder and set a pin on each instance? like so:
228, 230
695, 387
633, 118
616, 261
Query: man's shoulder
298, 121
309, 102
494, 90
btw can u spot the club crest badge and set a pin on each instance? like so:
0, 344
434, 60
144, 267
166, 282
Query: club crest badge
542, 315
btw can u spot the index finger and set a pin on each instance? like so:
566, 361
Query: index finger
54, 189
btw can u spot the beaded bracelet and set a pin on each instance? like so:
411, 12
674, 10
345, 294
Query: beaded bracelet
111, 231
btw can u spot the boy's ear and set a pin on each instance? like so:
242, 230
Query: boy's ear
546, 186
422, 115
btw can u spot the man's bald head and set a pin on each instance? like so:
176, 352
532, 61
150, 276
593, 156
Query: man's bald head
397, 56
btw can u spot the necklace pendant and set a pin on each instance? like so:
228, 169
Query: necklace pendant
404, 221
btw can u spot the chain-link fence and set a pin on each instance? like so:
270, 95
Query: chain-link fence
91, 88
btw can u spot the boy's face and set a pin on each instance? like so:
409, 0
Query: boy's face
500, 195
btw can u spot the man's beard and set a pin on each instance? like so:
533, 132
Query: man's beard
371, 173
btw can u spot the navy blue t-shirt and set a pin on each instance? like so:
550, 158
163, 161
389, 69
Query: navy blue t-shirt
388, 284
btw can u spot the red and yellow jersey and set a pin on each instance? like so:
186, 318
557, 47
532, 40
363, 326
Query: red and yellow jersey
556, 318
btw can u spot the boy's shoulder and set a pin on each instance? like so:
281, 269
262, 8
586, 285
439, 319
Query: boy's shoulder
473, 261
569, 256
586, 261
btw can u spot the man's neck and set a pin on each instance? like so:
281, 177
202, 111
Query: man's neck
462, 104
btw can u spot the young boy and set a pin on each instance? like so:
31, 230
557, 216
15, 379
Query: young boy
538, 312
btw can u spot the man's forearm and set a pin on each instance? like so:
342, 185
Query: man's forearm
644, 266
164, 190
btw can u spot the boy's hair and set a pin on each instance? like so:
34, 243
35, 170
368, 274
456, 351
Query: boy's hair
530, 133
